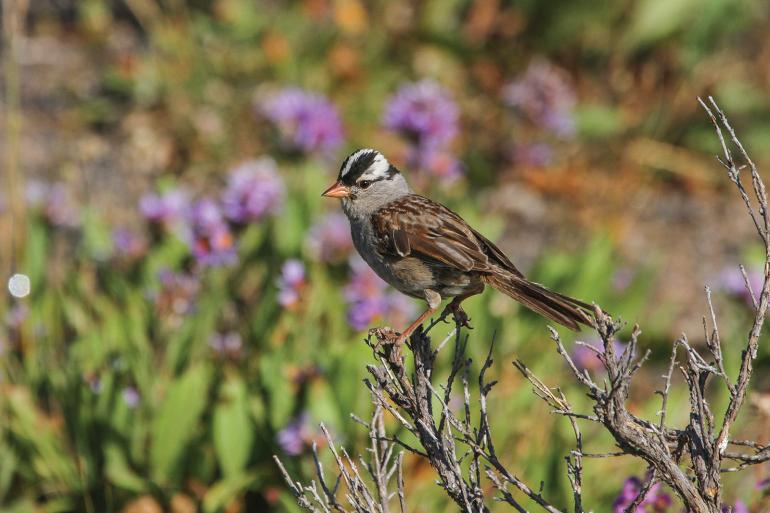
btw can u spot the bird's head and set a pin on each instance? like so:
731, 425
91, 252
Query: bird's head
366, 182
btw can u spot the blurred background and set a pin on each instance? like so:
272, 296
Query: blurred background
195, 306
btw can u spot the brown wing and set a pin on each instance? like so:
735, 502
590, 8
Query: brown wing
417, 225
496, 255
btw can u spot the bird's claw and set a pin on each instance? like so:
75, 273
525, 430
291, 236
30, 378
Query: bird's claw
386, 335
389, 343
458, 315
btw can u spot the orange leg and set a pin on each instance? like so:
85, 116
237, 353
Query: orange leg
408, 331
434, 300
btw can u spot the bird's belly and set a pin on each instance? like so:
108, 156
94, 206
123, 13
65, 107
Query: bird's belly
453, 282
412, 276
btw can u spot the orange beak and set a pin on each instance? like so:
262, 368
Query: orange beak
337, 190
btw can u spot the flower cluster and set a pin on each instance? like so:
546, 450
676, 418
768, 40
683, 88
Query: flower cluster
127, 244
369, 299
329, 239
227, 345
167, 209
208, 235
55, 201
291, 283
177, 294
254, 190
307, 122
426, 115
544, 94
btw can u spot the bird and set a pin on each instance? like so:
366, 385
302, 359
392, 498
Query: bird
426, 251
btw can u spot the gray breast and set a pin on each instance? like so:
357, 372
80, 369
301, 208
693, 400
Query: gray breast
408, 275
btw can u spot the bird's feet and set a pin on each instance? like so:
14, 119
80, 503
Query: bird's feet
458, 314
387, 335
389, 342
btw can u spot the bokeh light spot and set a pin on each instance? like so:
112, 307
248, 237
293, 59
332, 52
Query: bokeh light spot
19, 285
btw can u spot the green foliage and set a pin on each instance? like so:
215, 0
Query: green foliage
232, 428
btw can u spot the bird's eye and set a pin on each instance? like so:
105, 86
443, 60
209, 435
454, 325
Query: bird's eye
364, 184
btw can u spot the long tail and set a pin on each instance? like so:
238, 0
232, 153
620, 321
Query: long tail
559, 308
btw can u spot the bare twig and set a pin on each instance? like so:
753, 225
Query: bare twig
645, 489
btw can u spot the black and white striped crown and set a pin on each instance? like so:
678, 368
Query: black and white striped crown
365, 163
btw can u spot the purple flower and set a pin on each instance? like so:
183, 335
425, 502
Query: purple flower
656, 501
426, 115
177, 292
738, 507
305, 120
127, 244
545, 95
363, 312
227, 345
424, 112
60, 208
731, 281
254, 190
35, 192
291, 283
401, 309
167, 208
436, 162
131, 397
365, 294
94, 383
533, 155
296, 435
16, 315
586, 358
55, 201
369, 300
209, 236
329, 239
623, 278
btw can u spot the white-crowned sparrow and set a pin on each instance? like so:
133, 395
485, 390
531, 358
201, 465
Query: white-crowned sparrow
426, 251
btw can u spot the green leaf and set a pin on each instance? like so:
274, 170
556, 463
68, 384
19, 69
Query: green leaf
654, 20
233, 429
290, 235
275, 381
219, 495
29, 428
36, 254
597, 121
120, 473
7, 469
177, 421
96, 238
